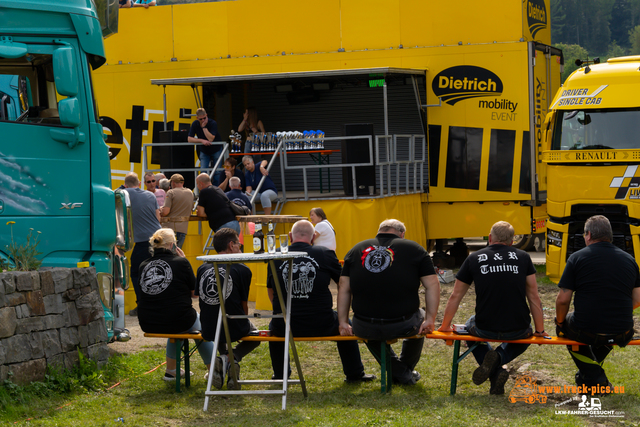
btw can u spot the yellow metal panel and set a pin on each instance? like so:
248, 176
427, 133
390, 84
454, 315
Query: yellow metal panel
374, 24
258, 27
143, 35
444, 220
210, 30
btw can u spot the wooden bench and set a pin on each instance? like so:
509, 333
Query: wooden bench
452, 338
385, 363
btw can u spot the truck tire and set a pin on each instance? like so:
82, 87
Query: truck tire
524, 242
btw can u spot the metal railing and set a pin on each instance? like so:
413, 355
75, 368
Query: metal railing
216, 166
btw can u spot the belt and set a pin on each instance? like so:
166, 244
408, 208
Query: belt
383, 321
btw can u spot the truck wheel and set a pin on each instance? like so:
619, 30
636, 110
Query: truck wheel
531, 399
512, 399
523, 241
539, 242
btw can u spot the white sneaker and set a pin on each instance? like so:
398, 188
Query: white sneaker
170, 375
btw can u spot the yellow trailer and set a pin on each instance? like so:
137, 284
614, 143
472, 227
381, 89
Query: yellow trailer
474, 78
593, 156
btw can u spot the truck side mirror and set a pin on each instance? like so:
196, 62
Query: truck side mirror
65, 71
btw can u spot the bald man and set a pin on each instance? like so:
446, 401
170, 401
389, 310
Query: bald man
312, 313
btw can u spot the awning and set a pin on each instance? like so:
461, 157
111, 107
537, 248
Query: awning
198, 81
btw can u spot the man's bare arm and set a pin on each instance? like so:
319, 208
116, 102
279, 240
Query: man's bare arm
635, 296
459, 291
431, 301
535, 305
344, 303
563, 302
201, 212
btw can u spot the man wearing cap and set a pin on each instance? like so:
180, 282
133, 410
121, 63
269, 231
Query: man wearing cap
204, 131
177, 206
145, 215
380, 279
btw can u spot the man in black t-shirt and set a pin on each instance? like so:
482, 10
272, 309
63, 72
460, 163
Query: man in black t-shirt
312, 312
214, 205
606, 282
383, 276
225, 241
505, 280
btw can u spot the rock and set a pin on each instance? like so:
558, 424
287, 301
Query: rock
53, 321
3, 353
22, 311
35, 302
17, 349
62, 279
28, 372
35, 341
71, 359
71, 315
85, 290
29, 324
3, 300
71, 295
46, 282
82, 276
8, 322
56, 361
51, 343
83, 333
90, 300
99, 353
53, 304
9, 282
97, 332
15, 298
69, 338
27, 280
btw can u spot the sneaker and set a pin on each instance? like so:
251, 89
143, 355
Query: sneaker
232, 383
489, 364
171, 375
364, 378
498, 380
415, 377
219, 370
133, 312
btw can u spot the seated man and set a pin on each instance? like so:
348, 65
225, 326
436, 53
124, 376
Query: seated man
505, 280
225, 241
606, 282
230, 170
268, 191
383, 276
312, 312
236, 195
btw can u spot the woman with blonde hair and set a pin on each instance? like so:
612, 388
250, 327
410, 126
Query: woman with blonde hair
324, 235
167, 284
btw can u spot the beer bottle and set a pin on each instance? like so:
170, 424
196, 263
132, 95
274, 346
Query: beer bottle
258, 239
271, 239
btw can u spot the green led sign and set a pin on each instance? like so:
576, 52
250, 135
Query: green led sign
376, 83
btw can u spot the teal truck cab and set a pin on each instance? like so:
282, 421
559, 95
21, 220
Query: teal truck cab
55, 176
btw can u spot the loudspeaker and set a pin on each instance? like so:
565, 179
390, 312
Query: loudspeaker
177, 156
357, 151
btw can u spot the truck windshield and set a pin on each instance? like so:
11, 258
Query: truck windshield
597, 129
27, 90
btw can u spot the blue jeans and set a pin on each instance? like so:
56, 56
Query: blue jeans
208, 161
234, 225
180, 238
205, 348
507, 351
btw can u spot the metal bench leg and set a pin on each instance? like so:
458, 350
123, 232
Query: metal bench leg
187, 372
457, 358
178, 350
385, 368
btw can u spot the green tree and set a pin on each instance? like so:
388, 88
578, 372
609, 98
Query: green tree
614, 51
558, 18
634, 40
621, 22
571, 53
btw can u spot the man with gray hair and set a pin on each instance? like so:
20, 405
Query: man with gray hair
312, 312
606, 282
177, 206
145, 215
505, 279
380, 279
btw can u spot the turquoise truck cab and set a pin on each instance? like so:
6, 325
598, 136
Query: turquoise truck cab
54, 164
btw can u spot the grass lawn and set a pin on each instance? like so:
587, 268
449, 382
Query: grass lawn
146, 400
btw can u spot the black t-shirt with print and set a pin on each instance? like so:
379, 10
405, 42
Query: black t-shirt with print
500, 276
602, 278
235, 294
311, 300
164, 300
385, 276
216, 206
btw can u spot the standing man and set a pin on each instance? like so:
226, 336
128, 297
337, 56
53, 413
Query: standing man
381, 278
606, 282
505, 280
225, 241
312, 312
145, 215
150, 181
213, 204
178, 204
204, 131
268, 191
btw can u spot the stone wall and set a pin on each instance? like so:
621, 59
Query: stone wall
45, 316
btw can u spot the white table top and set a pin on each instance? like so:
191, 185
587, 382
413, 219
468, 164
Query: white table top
248, 257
